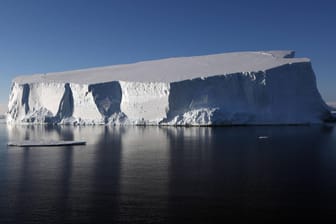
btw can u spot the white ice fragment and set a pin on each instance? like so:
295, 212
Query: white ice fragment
40, 143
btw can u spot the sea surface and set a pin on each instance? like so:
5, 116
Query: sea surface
169, 175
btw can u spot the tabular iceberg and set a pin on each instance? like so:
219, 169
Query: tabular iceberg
241, 88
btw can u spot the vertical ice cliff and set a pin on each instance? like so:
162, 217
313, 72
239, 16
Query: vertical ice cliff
242, 88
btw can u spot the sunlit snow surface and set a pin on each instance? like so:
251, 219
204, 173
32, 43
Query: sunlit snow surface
240, 88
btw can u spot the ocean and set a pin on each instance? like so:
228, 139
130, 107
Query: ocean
136, 174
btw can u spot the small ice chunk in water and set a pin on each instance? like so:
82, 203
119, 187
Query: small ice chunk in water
40, 143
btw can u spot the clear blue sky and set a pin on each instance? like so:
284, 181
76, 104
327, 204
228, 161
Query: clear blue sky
38, 36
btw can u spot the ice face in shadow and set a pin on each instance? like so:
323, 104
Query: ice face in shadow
66, 106
218, 100
243, 88
25, 97
107, 97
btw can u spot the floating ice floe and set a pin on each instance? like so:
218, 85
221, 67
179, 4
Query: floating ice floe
35, 143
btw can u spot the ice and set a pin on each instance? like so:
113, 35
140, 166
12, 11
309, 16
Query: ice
240, 88
41, 143
172, 69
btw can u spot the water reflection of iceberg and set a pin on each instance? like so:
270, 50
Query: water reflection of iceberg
195, 174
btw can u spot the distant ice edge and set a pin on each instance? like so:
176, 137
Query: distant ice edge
286, 94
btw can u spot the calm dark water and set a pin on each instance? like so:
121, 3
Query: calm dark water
169, 175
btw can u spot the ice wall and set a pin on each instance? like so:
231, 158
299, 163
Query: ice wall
282, 90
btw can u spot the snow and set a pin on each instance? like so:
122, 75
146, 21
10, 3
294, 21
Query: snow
40, 143
332, 105
172, 69
266, 87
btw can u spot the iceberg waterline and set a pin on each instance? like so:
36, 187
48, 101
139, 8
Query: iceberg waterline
243, 88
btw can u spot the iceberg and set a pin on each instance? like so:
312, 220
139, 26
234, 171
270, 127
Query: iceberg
238, 88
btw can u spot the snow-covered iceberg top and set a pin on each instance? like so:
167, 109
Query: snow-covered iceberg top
172, 69
267, 87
